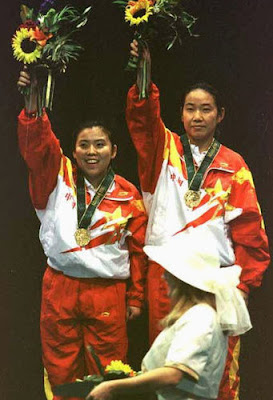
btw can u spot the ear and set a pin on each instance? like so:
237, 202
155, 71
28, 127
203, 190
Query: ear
114, 151
74, 154
221, 115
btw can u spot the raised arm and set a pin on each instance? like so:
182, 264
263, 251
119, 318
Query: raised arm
38, 145
146, 127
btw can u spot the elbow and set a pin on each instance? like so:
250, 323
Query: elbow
174, 376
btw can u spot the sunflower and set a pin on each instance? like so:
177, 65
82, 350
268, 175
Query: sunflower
138, 11
117, 365
25, 49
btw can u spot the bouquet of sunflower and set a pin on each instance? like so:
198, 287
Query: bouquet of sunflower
151, 19
81, 387
43, 42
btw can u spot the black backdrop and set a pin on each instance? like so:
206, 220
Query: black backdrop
233, 52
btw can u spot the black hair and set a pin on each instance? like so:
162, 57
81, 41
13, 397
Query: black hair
207, 88
91, 124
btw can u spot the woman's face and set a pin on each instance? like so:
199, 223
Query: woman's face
200, 116
93, 153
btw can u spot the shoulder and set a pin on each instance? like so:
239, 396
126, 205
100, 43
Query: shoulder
198, 327
177, 142
230, 158
123, 185
172, 141
201, 315
203, 309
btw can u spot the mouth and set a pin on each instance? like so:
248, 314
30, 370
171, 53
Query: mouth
92, 161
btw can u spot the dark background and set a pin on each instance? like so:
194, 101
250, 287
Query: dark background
233, 52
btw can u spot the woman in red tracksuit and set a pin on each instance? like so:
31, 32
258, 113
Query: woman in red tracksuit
92, 231
191, 181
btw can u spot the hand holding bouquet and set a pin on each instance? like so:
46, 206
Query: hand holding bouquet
153, 19
43, 42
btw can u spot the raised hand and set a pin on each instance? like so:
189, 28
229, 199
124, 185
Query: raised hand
144, 64
134, 48
28, 81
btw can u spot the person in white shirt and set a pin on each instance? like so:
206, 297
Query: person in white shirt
187, 359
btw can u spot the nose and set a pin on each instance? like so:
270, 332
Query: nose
197, 116
91, 149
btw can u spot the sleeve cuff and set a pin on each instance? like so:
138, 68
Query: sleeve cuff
192, 374
30, 114
135, 91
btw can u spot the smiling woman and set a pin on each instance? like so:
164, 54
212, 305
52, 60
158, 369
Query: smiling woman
94, 152
92, 231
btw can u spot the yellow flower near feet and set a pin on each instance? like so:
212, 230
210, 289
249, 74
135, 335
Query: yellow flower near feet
117, 365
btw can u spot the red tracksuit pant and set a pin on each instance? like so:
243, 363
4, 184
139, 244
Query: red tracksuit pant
159, 305
76, 313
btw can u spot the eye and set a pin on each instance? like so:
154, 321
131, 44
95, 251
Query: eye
100, 144
83, 145
206, 109
189, 109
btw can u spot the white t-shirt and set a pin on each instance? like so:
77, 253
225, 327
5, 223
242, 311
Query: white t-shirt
196, 345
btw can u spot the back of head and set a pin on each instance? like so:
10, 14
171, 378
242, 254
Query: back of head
183, 296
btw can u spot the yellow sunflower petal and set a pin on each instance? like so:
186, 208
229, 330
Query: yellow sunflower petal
117, 365
19, 54
133, 8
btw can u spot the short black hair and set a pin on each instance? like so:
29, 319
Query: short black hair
91, 124
207, 88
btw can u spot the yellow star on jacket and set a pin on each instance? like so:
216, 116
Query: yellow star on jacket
243, 175
218, 191
115, 218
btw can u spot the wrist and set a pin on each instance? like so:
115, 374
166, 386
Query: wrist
31, 103
30, 108
30, 114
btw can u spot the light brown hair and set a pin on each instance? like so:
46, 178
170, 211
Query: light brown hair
183, 296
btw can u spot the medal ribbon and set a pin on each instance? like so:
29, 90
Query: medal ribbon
195, 177
85, 214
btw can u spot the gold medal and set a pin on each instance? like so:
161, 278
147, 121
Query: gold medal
192, 198
82, 237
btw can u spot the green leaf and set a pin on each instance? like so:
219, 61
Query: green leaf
96, 379
115, 374
26, 13
87, 10
120, 3
188, 19
170, 45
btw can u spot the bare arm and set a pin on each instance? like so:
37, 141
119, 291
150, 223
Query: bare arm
148, 382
